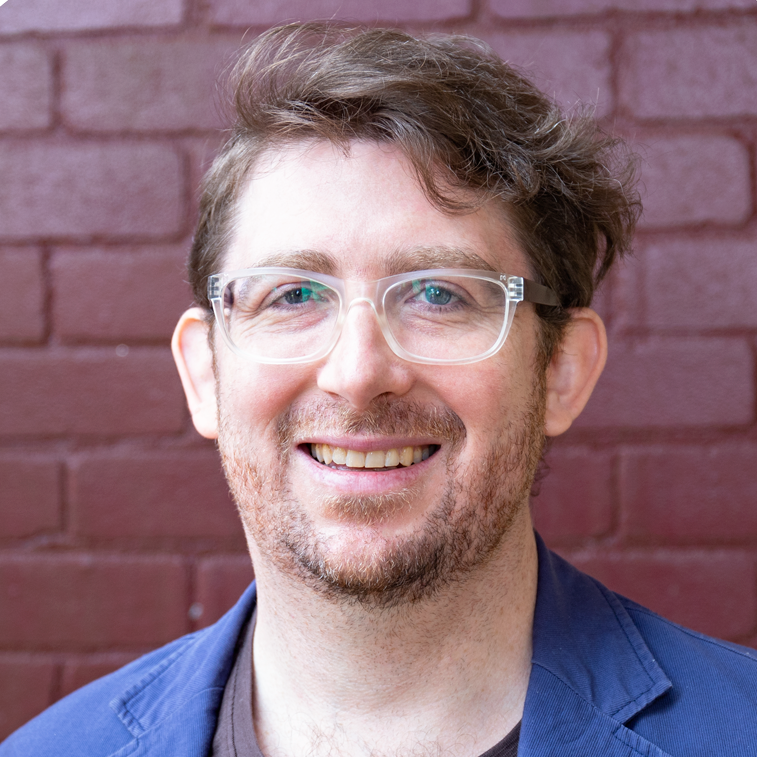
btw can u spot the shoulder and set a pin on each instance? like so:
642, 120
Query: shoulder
717, 668
680, 690
161, 704
712, 703
60, 725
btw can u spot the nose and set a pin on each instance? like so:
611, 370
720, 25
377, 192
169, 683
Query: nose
362, 366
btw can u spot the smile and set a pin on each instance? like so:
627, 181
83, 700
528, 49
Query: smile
391, 458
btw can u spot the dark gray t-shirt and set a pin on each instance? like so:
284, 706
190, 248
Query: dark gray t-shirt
235, 733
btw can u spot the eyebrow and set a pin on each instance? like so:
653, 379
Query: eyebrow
399, 261
421, 258
307, 260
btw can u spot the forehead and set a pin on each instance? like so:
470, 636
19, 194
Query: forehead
360, 213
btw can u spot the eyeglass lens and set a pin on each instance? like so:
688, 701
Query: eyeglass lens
284, 316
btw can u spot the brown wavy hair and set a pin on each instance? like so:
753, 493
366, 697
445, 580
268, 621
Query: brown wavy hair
463, 118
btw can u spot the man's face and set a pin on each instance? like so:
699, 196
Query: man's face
389, 534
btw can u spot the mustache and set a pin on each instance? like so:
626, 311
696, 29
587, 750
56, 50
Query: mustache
384, 416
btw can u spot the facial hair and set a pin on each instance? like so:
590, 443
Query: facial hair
474, 511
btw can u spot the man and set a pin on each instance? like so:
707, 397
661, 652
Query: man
394, 262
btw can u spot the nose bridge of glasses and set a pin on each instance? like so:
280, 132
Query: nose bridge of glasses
357, 292
362, 300
358, 301
362, 293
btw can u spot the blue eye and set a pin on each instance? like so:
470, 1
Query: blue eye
436, 295
298, 296
431, 293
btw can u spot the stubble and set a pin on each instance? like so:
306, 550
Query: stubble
474, 511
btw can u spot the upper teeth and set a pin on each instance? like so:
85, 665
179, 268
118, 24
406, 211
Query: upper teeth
327, 454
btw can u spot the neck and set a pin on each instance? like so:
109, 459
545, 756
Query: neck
455, 665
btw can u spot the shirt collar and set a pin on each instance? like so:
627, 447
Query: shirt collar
591, 670
584, 636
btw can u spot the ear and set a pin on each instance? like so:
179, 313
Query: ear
574, 370
194, 359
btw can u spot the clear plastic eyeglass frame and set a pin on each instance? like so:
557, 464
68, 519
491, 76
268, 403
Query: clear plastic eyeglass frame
516, 288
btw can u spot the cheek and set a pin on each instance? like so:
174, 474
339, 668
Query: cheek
481, 394
489, 395
253, 396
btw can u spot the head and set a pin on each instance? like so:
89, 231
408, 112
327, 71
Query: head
360, 154
464, 120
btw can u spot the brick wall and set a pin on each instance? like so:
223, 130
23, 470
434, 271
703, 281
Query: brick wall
116, 531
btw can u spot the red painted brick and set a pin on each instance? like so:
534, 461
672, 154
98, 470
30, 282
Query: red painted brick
542, 8
269, 12
695, 179
113, 85
29, 496
80, 672
181, 494
575, 500
602, 301
701, 284
24, 691
119, 294
627, 296
119, 190
22, 317
89, 392
683, 382
709, 591
25, 86
690, 494
87, 603
82, 15
691, 73
220, 583
571, 66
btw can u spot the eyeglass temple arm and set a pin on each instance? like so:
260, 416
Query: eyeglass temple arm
525, 290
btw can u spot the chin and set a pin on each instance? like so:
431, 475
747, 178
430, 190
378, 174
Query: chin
361, 558
362, 549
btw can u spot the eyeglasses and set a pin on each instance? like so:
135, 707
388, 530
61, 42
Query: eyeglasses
445, 316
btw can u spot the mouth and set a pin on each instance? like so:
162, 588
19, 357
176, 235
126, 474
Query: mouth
398, 457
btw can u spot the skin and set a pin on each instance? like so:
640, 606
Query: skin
443, 670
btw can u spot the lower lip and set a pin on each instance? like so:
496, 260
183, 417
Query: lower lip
363, 480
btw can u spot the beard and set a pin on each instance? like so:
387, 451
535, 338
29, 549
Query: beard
473, 513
